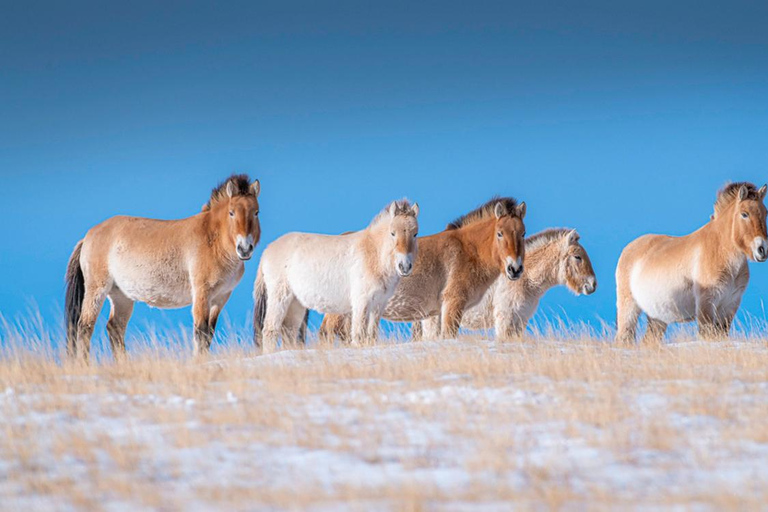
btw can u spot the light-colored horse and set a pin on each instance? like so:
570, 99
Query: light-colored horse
701, 276
552, 257
164, 263
455, 267
354, 273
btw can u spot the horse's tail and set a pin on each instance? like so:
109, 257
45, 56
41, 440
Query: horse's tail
304, 326
73, 298
259, 307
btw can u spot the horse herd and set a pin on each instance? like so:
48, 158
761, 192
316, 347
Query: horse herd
481, 272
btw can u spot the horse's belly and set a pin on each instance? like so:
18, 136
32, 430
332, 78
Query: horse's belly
162, 286
664, 297
324, 291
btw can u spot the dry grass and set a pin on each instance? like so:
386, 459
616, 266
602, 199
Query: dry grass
570, 424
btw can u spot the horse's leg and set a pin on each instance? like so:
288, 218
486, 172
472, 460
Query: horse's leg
201, 312
121, 309
360, 313
372, 326
654, 333
294, 318
96, 288
417, 330
431, 328
216, 307
277, 308
451, 313
627, 310
508, 326
707, 316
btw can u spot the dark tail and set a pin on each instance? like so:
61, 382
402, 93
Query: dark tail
73, 299
259, 307
303, 328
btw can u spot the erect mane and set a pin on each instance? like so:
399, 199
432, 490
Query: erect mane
403, 208
242, 188
543, 238
730, 193
483, 212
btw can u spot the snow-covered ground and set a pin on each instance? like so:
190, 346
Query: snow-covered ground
452, 425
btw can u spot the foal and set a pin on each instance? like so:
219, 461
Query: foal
552, 257
353, 273
164, 263
701, 276
455, 267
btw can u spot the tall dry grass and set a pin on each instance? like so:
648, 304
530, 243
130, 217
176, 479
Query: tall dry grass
562, 420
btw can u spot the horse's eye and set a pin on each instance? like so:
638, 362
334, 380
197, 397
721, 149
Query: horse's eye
523, 234
744, 215
577, 258
392, 233
256, 214
231, 213
414, 235
499, 234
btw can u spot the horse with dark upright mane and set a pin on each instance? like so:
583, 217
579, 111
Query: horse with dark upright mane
701, 276
163, 263
455, 267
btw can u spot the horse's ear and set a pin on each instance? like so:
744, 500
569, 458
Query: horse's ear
393, 209
572, 237
256, 188
743, 192
521, 209
415, 209
499, 210
762, 191
230, 189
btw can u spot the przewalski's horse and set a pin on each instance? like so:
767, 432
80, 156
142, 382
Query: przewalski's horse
552, 257
701, 276
164, 263
352, 274
456, 266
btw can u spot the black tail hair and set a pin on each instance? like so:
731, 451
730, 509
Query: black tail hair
73, 298
259, 308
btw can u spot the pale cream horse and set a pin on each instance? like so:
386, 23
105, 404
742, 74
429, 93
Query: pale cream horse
164, 263
354, 273
554, 257
701, 276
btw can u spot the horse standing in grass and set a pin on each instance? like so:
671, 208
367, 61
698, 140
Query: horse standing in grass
701, 276
552, 257
164, 263
352, 274
454, 268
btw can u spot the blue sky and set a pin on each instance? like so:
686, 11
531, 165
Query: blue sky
617, 120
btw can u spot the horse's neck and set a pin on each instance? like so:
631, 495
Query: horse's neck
481, 236
378, 256
542, 268
718, 235
214, 225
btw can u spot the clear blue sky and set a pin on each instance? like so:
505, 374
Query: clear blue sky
614, 119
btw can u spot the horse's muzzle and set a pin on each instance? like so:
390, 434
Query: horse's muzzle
589, 287
514, 273
404, 268
760, 253
244, 253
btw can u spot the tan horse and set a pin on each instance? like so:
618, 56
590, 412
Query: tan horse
701, 276
552, 257
166, 264
354, 273
455, 267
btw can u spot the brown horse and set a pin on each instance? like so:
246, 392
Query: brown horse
166, 264
553, 257
454, 268
701, 276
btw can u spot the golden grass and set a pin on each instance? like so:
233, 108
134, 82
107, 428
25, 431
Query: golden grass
577, 424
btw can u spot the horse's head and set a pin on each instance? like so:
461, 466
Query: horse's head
509, 234
749, 229
576, 267
244, 227
403, 228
